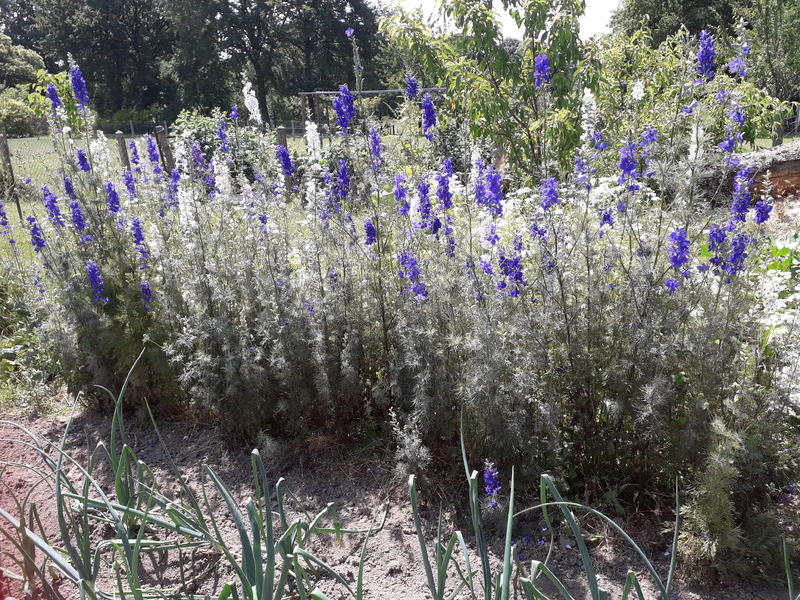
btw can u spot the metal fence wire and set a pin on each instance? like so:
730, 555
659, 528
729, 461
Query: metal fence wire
34, 159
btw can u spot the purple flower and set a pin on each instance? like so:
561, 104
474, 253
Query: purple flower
628, 164
716, 237
171, 195
37, 239
424, 206
411, 87
130, 183
147, 294
375, 149
447, 166
581, 172
428, 116
679, 252
343, 180
491, 234
740, 203
511, 268
78, 220
234, 111
689, 108
493, 192
113, 198
735, 261
349, 32
737, 115
134, 155
706, 56
78, 85
539, 233
672, 284
549, 193
222, 135
52, 94
53, 211
491, 483
37, 281
650, 136
198, 158
96, 280
4, 220
597, 138
138, 240
68, 187
541, 73
370, 234
486, 265
411, 272
762, 212
607, 217
286, 161
728, 145
83, 161
154, 156
443, 193
345, 108
738, 66
400, 193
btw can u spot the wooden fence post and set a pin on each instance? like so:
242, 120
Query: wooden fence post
7, 183
163, 147
123, 151
281, 131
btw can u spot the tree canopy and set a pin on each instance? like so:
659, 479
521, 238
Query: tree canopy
666, 17
18, 65
166, 55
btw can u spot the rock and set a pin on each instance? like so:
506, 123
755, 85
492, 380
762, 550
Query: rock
395, 567
566, 542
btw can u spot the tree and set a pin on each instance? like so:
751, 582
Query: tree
120, 45
281, 38
325, 51
774, 61
18, 65
666, 17
17, 22
205, 74
256, 30
491, 81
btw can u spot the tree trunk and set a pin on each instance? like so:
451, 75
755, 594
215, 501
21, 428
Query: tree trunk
777, 140
261, 94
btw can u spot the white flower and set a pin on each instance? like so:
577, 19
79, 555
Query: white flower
313, 144
638, 90
588, 111
251, 103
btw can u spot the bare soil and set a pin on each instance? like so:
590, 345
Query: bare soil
360, 482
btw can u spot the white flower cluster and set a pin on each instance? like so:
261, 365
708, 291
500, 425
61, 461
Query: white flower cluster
101, 158
251, 102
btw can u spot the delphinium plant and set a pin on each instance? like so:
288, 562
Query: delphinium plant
595, 320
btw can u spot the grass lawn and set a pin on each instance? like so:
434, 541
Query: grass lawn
767, 142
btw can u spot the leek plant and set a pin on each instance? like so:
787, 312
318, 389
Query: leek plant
497, 586
269, 560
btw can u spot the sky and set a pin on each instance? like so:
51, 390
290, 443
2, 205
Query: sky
595, 20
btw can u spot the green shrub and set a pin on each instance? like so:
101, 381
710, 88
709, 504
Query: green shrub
16, 117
